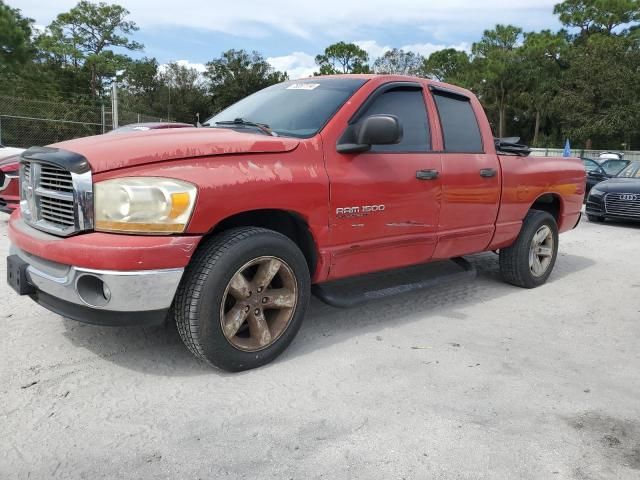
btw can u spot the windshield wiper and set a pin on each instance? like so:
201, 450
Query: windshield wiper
241, 121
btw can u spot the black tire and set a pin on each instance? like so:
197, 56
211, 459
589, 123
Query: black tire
514, 260
202, 289
595, 218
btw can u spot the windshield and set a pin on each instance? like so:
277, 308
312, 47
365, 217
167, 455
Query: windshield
613, 167
297, 108
631, 171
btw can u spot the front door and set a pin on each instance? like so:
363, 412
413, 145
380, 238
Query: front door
384, 203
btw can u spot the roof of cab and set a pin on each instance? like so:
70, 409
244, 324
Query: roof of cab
396, 78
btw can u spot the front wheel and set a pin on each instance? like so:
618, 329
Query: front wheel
595, 218
242, 298
529, 261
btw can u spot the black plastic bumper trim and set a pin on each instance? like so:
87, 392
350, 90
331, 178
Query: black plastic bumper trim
95, 316
578, 221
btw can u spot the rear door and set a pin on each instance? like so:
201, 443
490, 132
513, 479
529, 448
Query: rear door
384, 203
471, 177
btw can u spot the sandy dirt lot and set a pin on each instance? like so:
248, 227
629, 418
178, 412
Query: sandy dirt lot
478, 380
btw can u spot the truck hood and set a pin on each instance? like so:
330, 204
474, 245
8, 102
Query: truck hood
110, 152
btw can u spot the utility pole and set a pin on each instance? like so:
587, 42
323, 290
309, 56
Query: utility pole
114, 105
169, 105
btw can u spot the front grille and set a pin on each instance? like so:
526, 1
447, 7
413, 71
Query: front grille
49, 198
623, 204
56, 179
57, 211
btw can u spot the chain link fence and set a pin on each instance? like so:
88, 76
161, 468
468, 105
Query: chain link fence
557, 152
26, 122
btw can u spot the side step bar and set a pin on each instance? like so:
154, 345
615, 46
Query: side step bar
349, 292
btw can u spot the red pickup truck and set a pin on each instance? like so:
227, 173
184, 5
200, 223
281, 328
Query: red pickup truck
225, 229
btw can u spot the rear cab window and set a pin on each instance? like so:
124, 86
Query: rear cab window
460, 128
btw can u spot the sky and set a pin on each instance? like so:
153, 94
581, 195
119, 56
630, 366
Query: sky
290, 33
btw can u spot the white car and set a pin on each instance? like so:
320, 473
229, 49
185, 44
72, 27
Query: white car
9, 151
604, 156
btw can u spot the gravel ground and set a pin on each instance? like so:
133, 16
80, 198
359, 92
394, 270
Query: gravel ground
472, 381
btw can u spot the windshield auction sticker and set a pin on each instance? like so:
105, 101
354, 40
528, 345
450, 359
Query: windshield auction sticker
303, 86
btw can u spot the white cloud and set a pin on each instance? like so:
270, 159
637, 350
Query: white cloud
322, 23
37, 29
199, 67
302, 65
326, 19
426, 49
376, 50
297, 64
372, 48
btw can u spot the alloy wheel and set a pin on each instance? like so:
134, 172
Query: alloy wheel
258, 303
541, 252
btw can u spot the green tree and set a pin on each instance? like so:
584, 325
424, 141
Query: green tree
237, 74
448, 65
21, 73
15, 38
83, 38
343, 57
140, 87
398, 62
597, 16
183, 93
497, 62
599, 97
140, 77
544, 57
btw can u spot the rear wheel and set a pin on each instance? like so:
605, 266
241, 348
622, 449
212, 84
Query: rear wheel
243, 298
529, 261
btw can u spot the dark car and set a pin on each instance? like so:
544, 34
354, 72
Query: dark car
599, 172
618, 197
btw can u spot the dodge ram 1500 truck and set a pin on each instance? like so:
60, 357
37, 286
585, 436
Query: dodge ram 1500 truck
225, 229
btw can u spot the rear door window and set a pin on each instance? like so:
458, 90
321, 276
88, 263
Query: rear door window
459, 124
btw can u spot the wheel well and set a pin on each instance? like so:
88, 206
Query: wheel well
287, 223
550, 203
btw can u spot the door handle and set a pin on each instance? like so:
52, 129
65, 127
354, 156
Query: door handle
427, 174
488, 172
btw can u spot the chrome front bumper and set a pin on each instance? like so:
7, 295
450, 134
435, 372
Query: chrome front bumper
102, 290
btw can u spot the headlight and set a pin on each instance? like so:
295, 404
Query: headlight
143, 205
595, 192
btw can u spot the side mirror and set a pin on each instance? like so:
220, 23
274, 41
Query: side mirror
374, 130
